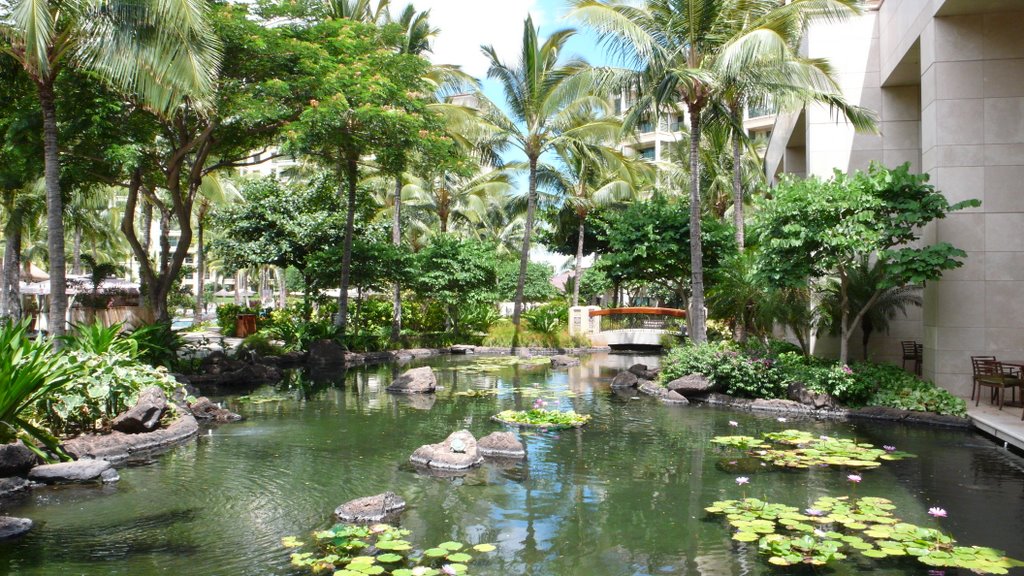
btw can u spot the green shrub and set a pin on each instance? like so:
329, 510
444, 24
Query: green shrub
102, 387
728, 370
99, 339
261, 344
896, 388
501, 333
30, 371
825, 376
157, 344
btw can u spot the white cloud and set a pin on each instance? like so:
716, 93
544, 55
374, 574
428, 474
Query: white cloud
467, 24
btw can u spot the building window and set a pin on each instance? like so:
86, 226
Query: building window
645, 126
761, 109
647, 153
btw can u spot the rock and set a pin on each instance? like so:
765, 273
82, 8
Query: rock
416, 381
11, 527
145, 415
643, 372
797, 392
371, 508
117, 446
422, 352
286, 360
458, 452
326, 353
564, 361
501, 445
691, 384
77, 472
673, 397
625, 379
183, 393
13, 485
204, 409
462, 349
652, 389
775, 405
16, 459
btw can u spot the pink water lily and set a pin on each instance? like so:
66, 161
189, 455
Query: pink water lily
937, 512
855, 478
742, 480
889, 448
813, 512
449, 569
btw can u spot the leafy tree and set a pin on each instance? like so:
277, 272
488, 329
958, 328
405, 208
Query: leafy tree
368, 100
160, 51
545, 98
826, 228
460, 274
538, 287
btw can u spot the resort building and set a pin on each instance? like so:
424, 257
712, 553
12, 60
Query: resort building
946, 78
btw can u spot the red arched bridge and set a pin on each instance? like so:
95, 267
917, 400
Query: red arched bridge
630, 327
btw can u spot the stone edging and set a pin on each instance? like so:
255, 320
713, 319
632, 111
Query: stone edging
118, 447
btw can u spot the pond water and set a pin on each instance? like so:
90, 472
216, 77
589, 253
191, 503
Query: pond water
623, 496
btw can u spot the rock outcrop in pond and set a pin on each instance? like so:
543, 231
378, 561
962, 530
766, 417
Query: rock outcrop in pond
11, 527
145, 415
84, 471
501, 445
416, 381
458, 452
369, 509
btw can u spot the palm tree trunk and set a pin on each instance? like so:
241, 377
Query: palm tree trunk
697, 328
200, 271
10, 295
578, 275
396, 239
844, 318
282, 288
352, 173
54, 211
76, 252
737, 185
524, 256
238, 287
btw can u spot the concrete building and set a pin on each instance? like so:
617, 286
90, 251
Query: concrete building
947, 80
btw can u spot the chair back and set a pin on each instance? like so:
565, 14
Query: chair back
977, 361
989, 368
910, 349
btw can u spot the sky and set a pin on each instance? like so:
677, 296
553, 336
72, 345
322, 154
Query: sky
467, 24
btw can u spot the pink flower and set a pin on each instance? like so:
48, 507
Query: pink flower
855, 478
733, 423
742, 480
937, 512
889, 448
539, 403
448, 569
813, 512
846, 369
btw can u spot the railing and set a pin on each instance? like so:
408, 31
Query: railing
641, 318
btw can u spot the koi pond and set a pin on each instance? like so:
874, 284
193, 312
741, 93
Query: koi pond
628, 494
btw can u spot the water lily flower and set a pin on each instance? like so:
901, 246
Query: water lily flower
889, 448
781, 419
813, 512
742, 480
855, 478
733, 423
819, 533
937, 512
419, 570
448, 569
539, 403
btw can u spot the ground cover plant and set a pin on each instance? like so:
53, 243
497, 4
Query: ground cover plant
836, 528
351, 550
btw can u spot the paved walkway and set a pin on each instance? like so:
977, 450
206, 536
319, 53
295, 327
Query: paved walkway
1004, 424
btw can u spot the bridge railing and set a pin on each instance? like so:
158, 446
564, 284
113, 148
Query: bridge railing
592, 320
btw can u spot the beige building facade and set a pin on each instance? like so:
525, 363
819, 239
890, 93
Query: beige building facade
946, 78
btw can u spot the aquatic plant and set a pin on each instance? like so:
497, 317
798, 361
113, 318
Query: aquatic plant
798, 449
351, 550
834, 528
542, 418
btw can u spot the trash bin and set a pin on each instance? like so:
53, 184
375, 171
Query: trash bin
245, 325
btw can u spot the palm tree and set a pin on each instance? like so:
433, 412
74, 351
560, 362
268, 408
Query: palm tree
451, 198
213, 192
589, 176
679, 49
866, 287
159, 50
544, 97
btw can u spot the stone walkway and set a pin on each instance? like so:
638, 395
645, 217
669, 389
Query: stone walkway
202, 343
1004, 424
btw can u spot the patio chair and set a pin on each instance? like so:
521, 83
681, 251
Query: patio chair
913, 351
991, 374
976, 368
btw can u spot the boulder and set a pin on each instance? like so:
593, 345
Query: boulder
326, 353
76, 472
462, 349
458, 452
643, 372
673, 397
691, 384
117, 447
16, 459
11, 527
776, 405
286, 360
564, 361
625, 379
13, 485
416, 381
501, 445
652, 389
370, 508
797, 392
206, 410
145, 415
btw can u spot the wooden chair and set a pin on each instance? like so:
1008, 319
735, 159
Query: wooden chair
915, 352
990, 373
976, 367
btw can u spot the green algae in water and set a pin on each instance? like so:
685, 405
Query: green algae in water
834, 528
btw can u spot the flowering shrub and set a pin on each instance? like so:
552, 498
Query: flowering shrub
730, 370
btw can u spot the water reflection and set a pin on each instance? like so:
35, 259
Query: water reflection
625, 495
